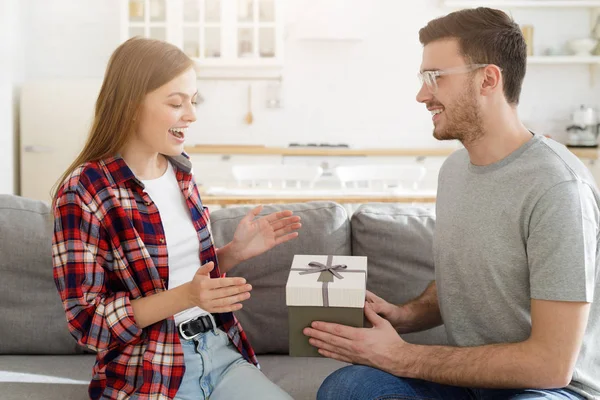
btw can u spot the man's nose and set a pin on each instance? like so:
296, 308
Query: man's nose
424, 94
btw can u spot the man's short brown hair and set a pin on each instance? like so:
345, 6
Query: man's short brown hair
485, 36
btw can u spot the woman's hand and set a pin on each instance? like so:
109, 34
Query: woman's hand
216, 295
254, 236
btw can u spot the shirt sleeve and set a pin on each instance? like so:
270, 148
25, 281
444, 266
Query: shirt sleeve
98, 318
562, 243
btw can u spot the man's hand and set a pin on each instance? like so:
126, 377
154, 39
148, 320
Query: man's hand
379, 346
396, 315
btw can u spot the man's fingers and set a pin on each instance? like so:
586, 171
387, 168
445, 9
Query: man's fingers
335, 356
372, 297
372, 316
335, 330
326, 346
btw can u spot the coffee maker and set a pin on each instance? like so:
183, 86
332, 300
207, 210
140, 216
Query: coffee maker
583, 132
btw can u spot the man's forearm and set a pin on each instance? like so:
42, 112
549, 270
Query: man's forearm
420, 314
513, 365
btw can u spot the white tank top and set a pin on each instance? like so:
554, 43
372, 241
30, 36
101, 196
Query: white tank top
183, 247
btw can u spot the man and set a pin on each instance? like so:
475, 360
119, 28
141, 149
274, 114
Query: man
515, 247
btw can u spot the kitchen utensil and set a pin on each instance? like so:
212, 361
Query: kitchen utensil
249, 116
584, 130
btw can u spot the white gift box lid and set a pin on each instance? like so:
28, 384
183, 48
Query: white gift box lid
307, 290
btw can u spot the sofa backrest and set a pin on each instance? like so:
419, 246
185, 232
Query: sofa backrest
325, 230
32, 320
398, 243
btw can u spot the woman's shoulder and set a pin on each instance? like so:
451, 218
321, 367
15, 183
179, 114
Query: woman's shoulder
85, 178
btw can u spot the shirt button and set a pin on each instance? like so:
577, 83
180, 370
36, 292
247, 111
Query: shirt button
148, 203
161, 240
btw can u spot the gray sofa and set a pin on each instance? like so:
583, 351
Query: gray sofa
40, 360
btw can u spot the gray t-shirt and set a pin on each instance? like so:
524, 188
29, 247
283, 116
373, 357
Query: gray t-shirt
523, 228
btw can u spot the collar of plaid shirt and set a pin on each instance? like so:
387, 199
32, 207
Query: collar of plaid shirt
127, 234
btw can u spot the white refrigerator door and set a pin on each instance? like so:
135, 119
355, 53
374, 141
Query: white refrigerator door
55, 119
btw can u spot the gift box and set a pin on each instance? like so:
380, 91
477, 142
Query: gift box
324, 288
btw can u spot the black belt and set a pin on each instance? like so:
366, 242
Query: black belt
193, 327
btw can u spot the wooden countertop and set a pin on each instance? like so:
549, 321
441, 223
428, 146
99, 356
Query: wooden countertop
236, 200
587, 153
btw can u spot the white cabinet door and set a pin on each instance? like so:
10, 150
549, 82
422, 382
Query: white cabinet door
215, 33
56, 117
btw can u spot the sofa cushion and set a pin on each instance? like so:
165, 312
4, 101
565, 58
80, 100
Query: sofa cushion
325, 230
33, 320
68, 377
299, 376
398, 242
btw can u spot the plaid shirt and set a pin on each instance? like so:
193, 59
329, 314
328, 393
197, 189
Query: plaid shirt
109, 248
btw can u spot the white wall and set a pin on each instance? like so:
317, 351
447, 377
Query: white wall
70, 38
334, 92
10, 75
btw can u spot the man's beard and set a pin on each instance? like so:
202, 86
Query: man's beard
463, 121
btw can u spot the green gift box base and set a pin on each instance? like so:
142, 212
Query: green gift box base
301, 317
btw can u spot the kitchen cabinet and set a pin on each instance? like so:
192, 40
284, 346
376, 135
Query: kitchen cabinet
215, 33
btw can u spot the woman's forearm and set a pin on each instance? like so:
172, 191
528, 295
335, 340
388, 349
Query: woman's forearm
227, 258
157, 307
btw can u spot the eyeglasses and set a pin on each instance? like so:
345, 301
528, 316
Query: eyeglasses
429, 78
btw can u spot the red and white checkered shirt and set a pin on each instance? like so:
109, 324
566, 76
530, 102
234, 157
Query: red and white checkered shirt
108, 249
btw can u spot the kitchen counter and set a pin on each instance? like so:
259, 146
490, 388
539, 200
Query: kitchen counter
585, 153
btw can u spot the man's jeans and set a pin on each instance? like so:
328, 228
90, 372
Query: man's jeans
358, 382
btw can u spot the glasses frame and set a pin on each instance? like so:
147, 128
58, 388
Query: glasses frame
429, 78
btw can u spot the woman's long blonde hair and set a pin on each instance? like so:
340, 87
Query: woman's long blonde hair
137, 67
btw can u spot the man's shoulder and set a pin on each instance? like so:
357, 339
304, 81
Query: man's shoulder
554, 163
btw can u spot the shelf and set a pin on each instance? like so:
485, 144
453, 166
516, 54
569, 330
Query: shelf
563, 60
523, 3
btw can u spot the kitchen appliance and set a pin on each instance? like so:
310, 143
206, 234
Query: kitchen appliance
583, 132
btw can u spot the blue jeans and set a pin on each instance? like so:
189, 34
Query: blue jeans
214, 368
358, 382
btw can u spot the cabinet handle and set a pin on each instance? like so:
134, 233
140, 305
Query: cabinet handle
38, 149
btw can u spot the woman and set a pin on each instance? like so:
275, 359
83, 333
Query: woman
134, 261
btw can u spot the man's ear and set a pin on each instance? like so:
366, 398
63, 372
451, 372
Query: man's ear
492, 79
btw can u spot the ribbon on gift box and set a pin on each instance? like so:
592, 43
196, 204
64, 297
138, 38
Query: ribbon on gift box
327, 274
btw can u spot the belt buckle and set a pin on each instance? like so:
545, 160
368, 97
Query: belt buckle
183, 334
